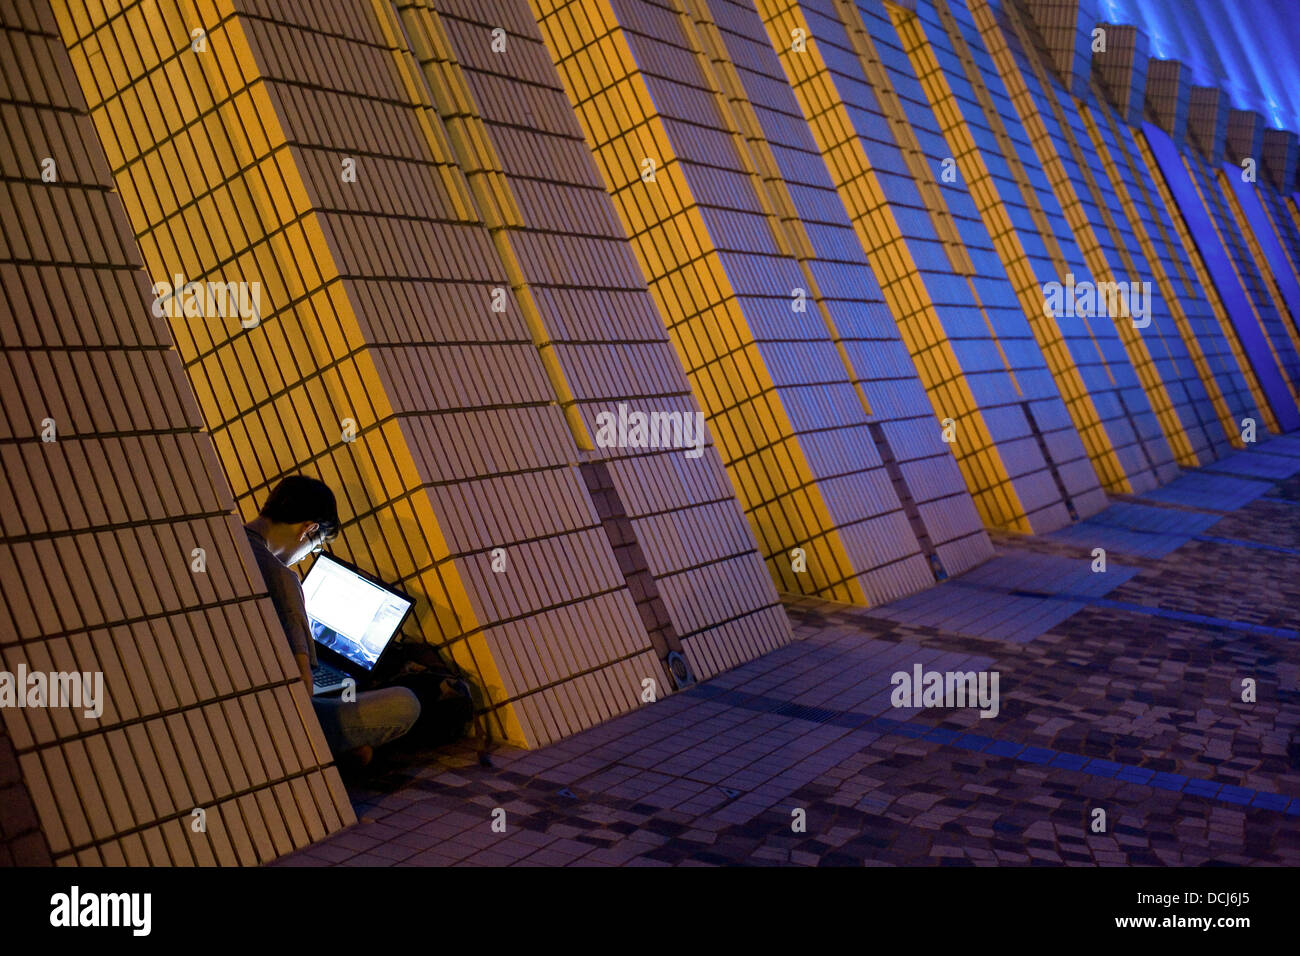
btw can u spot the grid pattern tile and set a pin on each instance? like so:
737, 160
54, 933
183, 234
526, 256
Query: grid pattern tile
792, 420
439, 245
121, 553
940, 276
380, 362
594, 322
1030, 233
1282, 337
1200, 299
821, 235
1060, 143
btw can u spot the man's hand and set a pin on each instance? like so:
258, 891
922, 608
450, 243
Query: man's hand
304, 668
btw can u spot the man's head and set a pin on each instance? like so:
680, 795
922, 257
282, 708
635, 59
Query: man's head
299, 517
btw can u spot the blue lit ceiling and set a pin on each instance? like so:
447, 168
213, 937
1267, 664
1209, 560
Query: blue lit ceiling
1250, 49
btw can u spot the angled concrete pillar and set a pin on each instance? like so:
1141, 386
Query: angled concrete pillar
1278, 150
121, 554
1168, 96
1121, 69
1235, 278
1022, 455
1243, 138
431, 341
821, 457
1084, 174
1207, 121
1063, 31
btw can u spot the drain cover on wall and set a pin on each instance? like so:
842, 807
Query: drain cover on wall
679, 669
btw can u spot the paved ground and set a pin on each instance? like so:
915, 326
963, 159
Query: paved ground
1119, 691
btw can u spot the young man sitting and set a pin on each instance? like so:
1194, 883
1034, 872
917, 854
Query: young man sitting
298, 518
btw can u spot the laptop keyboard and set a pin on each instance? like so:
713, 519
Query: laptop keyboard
327, 675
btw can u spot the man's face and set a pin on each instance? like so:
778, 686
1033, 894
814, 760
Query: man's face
310, 539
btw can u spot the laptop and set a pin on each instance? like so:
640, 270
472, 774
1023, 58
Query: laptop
353, 620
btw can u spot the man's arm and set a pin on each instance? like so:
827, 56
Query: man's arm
287, 595
285, 591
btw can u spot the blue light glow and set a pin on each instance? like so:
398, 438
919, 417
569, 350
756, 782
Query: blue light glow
1248, 48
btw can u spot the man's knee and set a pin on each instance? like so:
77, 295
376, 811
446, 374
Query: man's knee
396, 708
405, 707
373, 719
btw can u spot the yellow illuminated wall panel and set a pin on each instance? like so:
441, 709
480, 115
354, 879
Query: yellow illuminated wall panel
1234, 234
1217, 389
1166, 340
1284, 228
1151, 222
816, 229
1275, 301
1199, 296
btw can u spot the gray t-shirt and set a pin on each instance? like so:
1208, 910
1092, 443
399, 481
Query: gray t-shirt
286, 595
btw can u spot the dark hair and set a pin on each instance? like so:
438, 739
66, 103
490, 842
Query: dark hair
299, 498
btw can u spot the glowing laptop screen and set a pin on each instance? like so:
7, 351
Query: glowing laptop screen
350, 614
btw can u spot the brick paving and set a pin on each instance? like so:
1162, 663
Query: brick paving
1120, 691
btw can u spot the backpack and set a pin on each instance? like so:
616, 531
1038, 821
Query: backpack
446, 698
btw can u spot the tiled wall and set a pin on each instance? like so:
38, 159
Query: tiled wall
1019, 452
1279, 330
1030, 232
1207, 348
596, 326
778, 379
1200, 298
1082, 154
477, 227
1149, 458
121, 551
846, 288
1158, 351
1056, 33
454, 430
1084, 148
1255, 323
1287, 231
